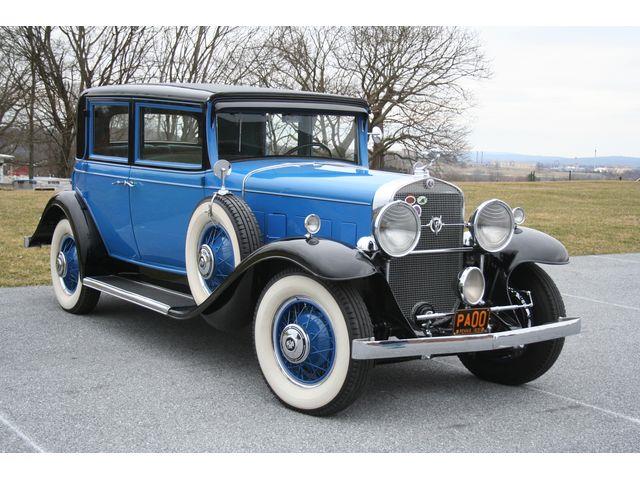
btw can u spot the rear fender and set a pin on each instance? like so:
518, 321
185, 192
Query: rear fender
70, 205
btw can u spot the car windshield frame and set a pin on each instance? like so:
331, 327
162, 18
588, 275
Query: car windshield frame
313, 153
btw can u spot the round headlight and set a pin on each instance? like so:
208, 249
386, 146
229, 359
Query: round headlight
492, 225
397, 228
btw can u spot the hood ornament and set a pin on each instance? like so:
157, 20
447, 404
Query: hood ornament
421, 169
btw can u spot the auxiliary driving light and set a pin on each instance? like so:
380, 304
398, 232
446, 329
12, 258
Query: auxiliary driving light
471, 285
518, 215
312, 224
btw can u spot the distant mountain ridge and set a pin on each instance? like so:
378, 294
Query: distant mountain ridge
606, 161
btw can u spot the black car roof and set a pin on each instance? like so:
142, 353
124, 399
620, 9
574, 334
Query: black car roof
203, 92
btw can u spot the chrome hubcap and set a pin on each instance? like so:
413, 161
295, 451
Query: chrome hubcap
61, 265
294, 344
206, 262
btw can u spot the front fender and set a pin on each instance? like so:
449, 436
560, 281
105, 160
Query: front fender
232, 304
327, 259
531, 246
324, 259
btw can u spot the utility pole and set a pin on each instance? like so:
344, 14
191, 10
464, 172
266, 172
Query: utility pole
595, 156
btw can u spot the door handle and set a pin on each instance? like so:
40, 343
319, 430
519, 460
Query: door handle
126, 183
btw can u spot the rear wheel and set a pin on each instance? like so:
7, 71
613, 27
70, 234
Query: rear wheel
303, 331
515, 366
66, 276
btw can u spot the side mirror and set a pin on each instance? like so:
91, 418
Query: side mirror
376, 135
221, 169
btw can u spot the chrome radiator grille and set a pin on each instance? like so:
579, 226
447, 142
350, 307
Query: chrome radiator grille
431, 277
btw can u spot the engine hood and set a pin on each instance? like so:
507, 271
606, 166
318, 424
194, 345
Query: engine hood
321, 180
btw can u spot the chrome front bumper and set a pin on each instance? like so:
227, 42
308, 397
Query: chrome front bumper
368, 349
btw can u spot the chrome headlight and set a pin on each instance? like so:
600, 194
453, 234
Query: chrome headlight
397, 228
492, 225
471, 285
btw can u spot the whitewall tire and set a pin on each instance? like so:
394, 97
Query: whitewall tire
220, 235
303, 331
66, 272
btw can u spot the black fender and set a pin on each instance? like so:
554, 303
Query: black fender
70, 205
231, 305
527, 246
531, 246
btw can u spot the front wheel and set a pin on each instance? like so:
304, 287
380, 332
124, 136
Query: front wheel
66, 274
303, 331
515, 366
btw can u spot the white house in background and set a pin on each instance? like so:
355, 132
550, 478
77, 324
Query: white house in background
4, 159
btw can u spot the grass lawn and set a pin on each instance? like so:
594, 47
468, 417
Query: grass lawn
588, 217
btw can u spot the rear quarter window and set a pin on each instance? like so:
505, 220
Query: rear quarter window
110, 132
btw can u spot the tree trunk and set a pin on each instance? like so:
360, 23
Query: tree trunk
32, 99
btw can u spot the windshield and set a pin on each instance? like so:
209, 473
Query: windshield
275, 134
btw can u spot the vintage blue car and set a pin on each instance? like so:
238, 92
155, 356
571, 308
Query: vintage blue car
254, 205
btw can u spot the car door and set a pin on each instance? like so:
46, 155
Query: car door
102, 177
167, 178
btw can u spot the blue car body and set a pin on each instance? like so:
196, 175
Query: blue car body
240, 205
133, 200
146, 225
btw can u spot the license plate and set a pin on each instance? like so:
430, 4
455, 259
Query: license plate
471, 321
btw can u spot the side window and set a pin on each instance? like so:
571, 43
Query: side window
110, 131
170, 136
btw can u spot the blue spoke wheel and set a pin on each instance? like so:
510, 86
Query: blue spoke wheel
67, 265
302, 331
216, 260
304, 341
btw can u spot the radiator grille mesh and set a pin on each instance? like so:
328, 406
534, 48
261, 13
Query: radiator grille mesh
430, 277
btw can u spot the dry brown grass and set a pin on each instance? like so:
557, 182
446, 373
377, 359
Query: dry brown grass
19, 215
588, 217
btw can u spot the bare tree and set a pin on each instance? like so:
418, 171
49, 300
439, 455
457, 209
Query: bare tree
304, 58
13, 77
105, 55
411, 76
66, 60
413, 79
205, 54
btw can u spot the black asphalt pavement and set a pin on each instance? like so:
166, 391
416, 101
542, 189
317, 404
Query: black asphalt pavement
126, 379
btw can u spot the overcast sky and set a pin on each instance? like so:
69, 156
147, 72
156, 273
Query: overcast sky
559, 91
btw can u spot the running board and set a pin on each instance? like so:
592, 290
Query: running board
147, 295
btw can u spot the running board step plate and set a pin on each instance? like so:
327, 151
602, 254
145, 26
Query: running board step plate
147, 295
